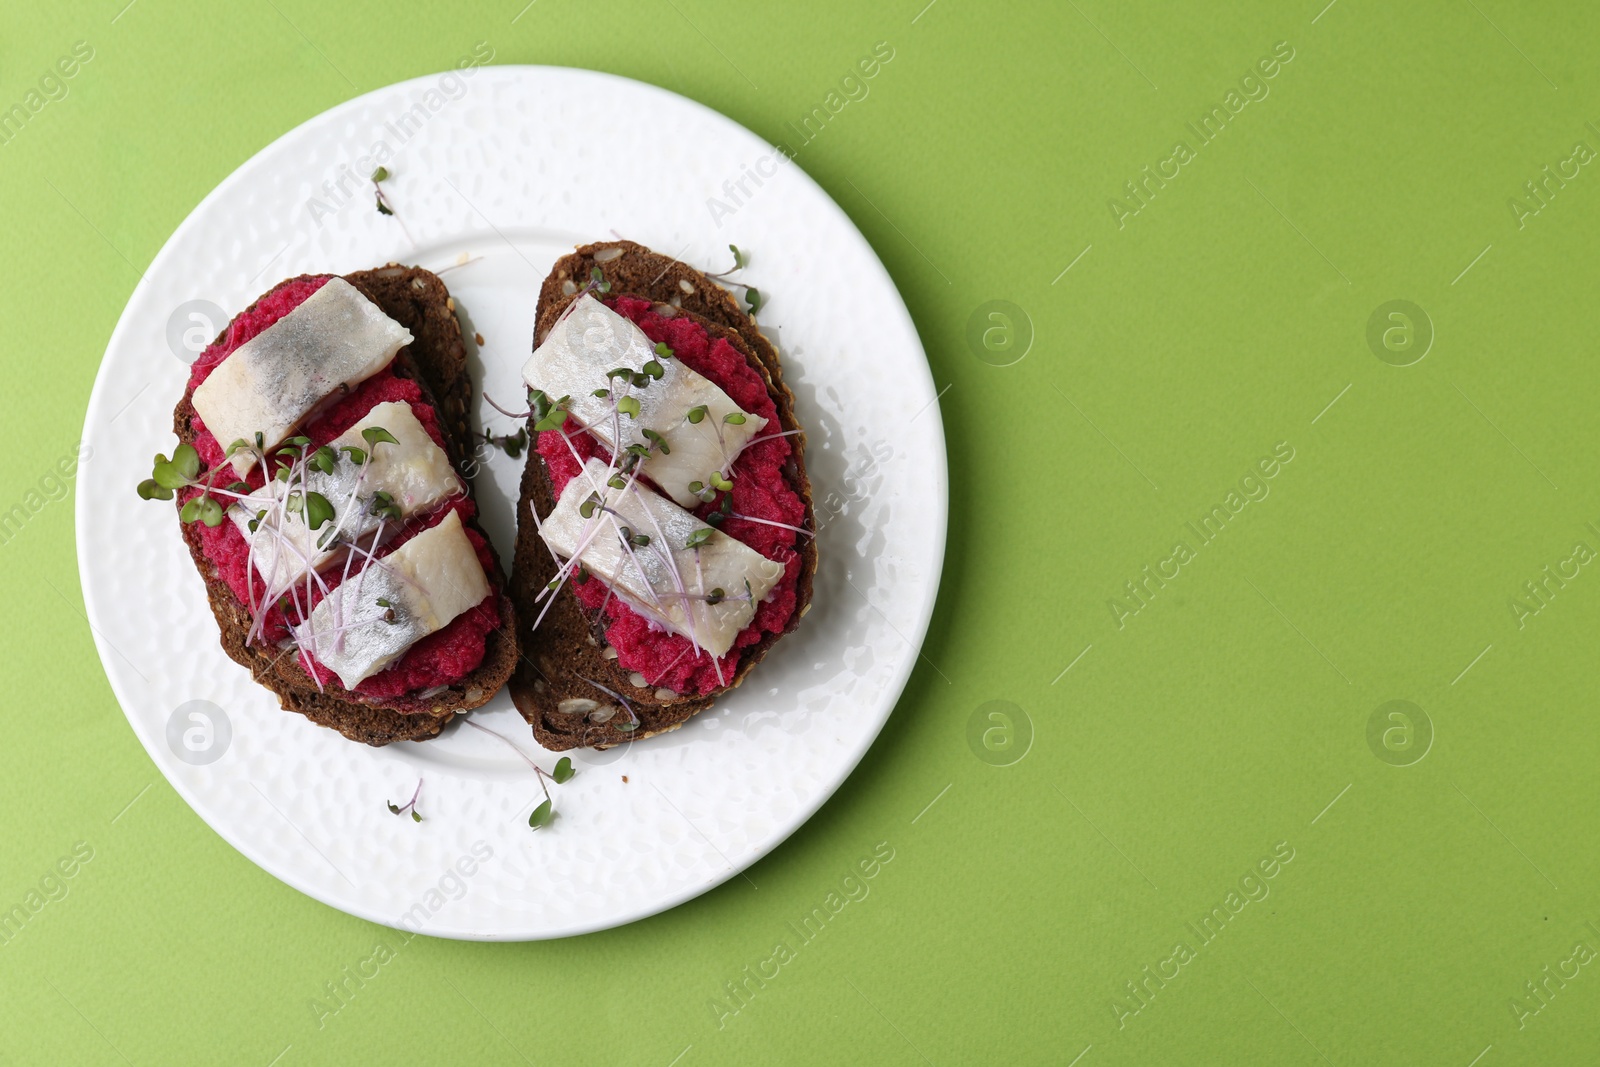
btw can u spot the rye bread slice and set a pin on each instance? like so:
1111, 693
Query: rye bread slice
570, 646
437, 361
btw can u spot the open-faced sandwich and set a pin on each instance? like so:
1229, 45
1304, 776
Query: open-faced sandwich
317, 480
665, 528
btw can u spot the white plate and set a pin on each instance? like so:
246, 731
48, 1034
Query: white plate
516, 165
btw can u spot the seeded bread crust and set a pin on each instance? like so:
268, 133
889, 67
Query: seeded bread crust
436, 360
570, 645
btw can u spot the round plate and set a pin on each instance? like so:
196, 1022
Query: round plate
508, 168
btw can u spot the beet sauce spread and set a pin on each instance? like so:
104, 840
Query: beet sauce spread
441, 658
759, 491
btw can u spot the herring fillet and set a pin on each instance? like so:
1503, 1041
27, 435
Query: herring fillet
591, 340
413, 470
331, 342
424, 584
647, 581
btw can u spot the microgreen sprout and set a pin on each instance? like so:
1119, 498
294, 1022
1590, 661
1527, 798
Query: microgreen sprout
723, 511
734, 418
381, 175
663, 350
740, 260
511, 444
383, 507
753, 299
410, 805
697, 414
699, 537
654, 369
375, 435
597, 282
203, 508
657, 440
719, 482
312, 505
167, 476
563, 773
629, 406
547, 414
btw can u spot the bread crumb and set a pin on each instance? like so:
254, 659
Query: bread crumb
624, 779
478, 337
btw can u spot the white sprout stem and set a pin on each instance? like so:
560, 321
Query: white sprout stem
503, 411
769, 522
539, 771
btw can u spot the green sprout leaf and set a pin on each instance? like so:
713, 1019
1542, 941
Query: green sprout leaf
598, 279
357, 456
586, 509
384, 507
752, 297
659, 441
739, 258
541, 814
383, 209
719, 482
187, 460
317, 509
734, 418
603, 394
190, 511
553, 420
654, 369
150, 489
616, 481
619, 372
697, 414
210, 511
323, 459
629, 406
374, 435
416, 816
241, 445
663, 350
699, 537
697, 488
640, 540
564, 771
381, 174
393, 808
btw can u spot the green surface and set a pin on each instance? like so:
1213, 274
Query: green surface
1226, 719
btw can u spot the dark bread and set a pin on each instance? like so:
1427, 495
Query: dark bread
436, 359
571, 641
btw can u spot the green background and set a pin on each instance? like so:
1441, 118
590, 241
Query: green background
1229, 716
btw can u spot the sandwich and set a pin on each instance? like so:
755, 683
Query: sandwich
319, 489
665, 531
